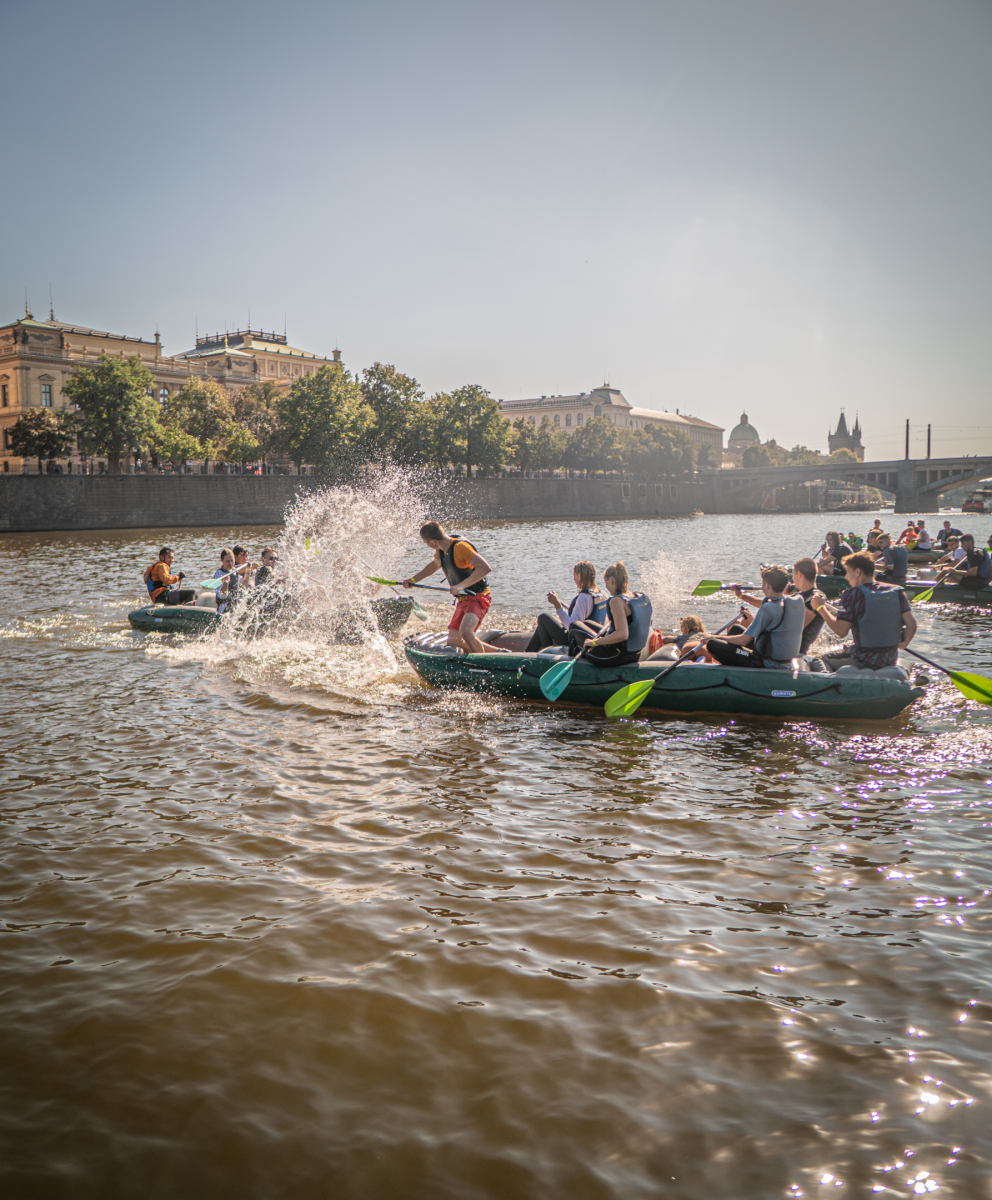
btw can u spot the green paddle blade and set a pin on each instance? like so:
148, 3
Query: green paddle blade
628, 700
554, 681
975, 687
706, 587
384, 582
922, 597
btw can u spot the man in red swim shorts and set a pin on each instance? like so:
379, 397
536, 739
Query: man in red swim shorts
465, 570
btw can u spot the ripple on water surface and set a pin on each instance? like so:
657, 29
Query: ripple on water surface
280, 920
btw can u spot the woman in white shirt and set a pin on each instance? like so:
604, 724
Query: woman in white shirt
553, 630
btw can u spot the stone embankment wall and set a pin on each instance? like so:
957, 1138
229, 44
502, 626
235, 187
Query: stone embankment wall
50, 502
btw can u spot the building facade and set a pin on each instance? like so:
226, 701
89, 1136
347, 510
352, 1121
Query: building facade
572, 412
37, 357
742, 435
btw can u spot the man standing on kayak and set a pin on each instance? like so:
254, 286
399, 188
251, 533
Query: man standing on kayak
465, 570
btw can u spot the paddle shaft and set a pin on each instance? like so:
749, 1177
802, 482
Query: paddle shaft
928, 661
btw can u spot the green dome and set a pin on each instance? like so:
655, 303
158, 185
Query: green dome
744, 432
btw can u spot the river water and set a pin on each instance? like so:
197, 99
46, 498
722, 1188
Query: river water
278, 920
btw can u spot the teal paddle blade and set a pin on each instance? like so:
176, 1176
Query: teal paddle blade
555, 680
211, 584
627, 700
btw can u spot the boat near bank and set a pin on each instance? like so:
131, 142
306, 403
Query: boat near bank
943, 593
693, 688
391, 614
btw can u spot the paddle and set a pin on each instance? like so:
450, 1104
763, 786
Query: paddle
431, 587
974, 687
707, 587
418, 609
555, 680
213, 584
923, 597
626, 701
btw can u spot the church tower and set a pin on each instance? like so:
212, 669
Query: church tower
844, 440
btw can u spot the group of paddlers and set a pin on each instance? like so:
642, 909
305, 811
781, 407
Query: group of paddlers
612, 627
963, 562
237, 574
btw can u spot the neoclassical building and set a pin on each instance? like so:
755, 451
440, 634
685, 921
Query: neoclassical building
572, 412
37, 357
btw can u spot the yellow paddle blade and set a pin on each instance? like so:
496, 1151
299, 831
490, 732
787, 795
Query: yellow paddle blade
975, 687
922, 597
384, 582
706, 587
628, 699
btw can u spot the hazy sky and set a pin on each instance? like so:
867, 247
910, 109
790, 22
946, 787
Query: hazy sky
783, 206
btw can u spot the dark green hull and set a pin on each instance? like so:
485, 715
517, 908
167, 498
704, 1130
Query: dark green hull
391, 613
690, 689
943, 593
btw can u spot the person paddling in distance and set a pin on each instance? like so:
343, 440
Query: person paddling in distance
229, 589
834, 551
923, 537
804, 585
975, 570
954, 554
465, 570
160, 581
774, 636
895, 561
628, 631
265, 573
879, 615
945, 532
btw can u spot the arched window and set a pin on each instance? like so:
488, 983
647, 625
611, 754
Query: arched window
597, 411
163, 394
578, 419
568, 418
532, 421
557, 418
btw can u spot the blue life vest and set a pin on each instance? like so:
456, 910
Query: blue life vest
783, 641
150, 584
985, 566
455, 574
600, 606
881, 626
638, 623
900, 561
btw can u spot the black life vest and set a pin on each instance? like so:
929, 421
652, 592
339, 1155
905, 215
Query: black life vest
812, 630
455, 575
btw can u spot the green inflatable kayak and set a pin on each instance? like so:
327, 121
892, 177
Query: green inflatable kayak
391, 614
943, 593
693, 688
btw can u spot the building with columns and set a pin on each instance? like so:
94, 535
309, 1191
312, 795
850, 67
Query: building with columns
572, 412
37, 357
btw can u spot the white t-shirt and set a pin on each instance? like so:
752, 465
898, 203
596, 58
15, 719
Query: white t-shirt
581, 609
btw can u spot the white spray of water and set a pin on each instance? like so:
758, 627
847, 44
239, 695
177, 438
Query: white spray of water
319, 628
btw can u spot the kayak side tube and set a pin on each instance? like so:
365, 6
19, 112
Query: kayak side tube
691, 689
943, 593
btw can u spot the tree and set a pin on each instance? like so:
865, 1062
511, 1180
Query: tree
843, 455
550, 446
594, 447
395, 399
658, 451
706, 455
174, 446
254, 410
42, 433
323, 420
525, 434
116, 413
202, 410
803, 456
242, 446
472, 430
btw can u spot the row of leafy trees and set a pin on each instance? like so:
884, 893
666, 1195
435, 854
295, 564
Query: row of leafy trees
770, 454
330, 419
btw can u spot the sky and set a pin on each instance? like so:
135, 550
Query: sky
782, 207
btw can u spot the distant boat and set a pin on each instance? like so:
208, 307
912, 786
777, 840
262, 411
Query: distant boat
976, 502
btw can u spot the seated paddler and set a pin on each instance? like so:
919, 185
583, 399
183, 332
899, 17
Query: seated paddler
588, 605
465, 570
629, 628
161, 582
775, 635
878, 615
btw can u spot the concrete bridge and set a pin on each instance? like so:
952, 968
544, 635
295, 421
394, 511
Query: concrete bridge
917, 483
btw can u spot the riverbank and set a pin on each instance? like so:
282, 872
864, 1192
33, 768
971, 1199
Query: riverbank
39, 503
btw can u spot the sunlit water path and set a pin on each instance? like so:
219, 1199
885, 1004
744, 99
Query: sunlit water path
277, 920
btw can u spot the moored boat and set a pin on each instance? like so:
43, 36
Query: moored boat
391, 614
867, 695
943, 593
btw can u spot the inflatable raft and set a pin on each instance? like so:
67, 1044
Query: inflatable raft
943, 593
849, 695
391, 614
